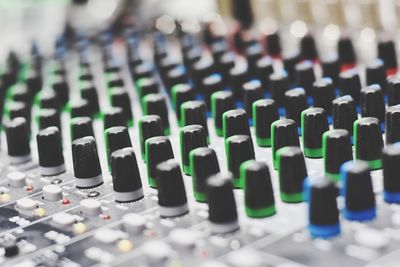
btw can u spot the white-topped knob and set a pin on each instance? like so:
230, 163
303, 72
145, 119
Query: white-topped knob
26, 204
52, 192
16, 179
90, 207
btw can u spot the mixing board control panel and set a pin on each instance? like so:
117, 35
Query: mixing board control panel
222, 147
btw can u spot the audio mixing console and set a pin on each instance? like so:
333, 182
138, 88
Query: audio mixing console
225, 146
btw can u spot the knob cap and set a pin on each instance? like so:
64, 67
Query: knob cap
147, 86
387, 52
203, 163
48, 118
80, 108
279, 84
295, 103
337, 149
221, 102
149, 126
344, 113
258, 192
393, 91
116, 138
274, 44
51, 158
126, 177
180, 94
264, 68
155, 104
308, 49
80, 127
87, 170
191, 137
347, 54
265, 112
368, 141
239, 148
238, 76
358, 191
292, 172
158, 149
235, 122
171, 190
89, 93
17, 133
376, 74
350, 84
392, 123
290, 60
211, 84
323, 92
113, 117
390, 166
194, 112
313, 124
323, 213
222, 212
305, 76
252, 91
331, 69
283, 133
372, 102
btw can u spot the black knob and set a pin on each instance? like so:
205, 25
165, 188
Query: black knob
292, 172
265, 112
393, 91
273, 42
305, 76
203, 163
180, 94
114, 116
350, 84
347, 54
126, 177
368, 141
264, 69
243, 13
323, 93
295, 103
225, 65
358, 192
114, 80
387, 52
143, 70
238, 76
313, 125
89, 93
211, 84
146, 86
80, 108
221, 102
344, 113
222, 212
48, 99
258, 192
19, 109
156, 104
200, 70
279, 84
120, 98
17, 134
195, 112
239, 148
116, 138
290, 60
283, 133
253, 53
61, 87
11, 248
191, 137
149, 126
177, 75
391, 168
158, 149
252, 91
87, 169
80, 127
392, 122
373, 103
331, 68
337, 150
235, 122
172, 199
308, 48
22, 94
376, 73
323, 213
49, 117
51, 158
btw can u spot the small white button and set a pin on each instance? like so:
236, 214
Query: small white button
107, 236
52, 192
133, 223
371, 238
244, 258
213, 264
63, 219
183, 238
16, 179
156, 251
26, 204
90, 207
